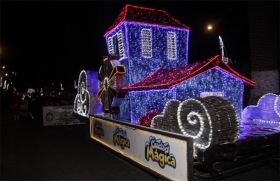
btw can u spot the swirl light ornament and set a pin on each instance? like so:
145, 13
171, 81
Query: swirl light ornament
82, 99
209, 121
111, 81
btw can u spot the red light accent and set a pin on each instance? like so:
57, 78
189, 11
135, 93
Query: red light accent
166, 78
146, 119
139, 14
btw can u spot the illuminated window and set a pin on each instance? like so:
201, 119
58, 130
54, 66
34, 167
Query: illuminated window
171, 45
146, 35
110, 45
120, 44
115, 44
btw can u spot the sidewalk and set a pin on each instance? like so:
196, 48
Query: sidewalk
30, 151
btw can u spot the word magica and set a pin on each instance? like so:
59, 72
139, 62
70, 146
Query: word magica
98, 130
158, 151
120, 138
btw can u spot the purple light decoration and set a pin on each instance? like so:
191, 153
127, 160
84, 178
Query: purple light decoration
139, 66
139, 103
266, 110
261, 117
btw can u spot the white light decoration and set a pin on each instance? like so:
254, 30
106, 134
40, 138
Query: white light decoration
209, 121
5, 82
206, 94
267, 110
276, 107
171, 45
266, 121
110, 45
120, 44
146, 37
61, 87
1, 81
200, 123
8, 86
82, 99
75, 84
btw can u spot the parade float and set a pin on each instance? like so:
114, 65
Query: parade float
176, 120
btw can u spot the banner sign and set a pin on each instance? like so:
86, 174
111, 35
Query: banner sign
59, 115
159, 152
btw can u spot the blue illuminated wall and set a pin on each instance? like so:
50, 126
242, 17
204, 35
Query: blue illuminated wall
138, 103
140, 67
214, 80
142, 102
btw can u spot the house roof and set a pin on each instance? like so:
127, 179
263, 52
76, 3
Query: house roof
131, 13
168, 77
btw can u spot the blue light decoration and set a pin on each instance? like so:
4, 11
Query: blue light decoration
153, 48
168, 35
264, 115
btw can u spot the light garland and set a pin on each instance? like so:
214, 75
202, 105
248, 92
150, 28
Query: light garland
206, 94
86, 101
276, 106
120, 44
265, 111
142, 14
201, 118
146, 36
266, 121
139, 67
110, 45
171, 45
1, 81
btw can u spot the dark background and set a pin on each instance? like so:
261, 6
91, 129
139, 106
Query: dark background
49, 42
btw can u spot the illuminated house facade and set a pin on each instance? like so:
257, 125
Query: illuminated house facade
146, 39
153, 48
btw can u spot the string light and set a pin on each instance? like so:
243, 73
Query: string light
86, 101
131, 13
110, 45
120, 45
266, 110
146, 36
206, 94
171, 45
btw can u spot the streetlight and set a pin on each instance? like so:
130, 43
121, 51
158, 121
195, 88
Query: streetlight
3, 67
209, 27
6, 74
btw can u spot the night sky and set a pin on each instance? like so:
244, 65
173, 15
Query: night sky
49, 42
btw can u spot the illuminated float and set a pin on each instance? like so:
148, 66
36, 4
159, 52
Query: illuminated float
149, 105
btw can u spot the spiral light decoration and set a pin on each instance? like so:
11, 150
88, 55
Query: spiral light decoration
209, 121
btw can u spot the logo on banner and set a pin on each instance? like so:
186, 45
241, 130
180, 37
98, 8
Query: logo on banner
98, 130
120, 138
158, 151
49, 117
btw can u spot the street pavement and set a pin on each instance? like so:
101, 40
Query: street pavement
30, 151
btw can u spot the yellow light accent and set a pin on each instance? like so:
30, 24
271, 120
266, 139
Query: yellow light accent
101, 93
92, 118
